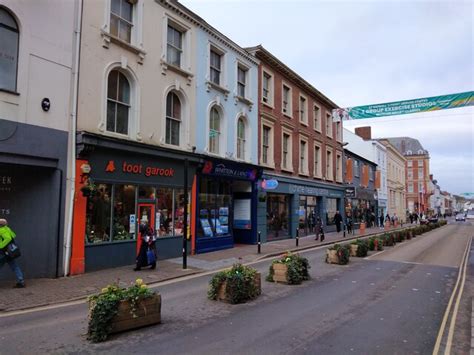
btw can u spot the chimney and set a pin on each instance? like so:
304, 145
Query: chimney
364, 132
404, 146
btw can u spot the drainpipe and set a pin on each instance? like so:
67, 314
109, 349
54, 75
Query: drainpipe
73, 130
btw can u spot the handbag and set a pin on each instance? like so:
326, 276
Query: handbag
151, 257
12, 251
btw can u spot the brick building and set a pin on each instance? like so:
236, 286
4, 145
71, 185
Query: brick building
300, 147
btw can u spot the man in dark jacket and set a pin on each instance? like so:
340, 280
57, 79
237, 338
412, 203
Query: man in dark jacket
337, 221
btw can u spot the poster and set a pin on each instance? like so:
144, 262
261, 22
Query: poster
242, 214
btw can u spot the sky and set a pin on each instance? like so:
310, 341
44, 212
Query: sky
367, 52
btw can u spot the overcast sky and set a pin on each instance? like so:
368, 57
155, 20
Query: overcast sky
367, 52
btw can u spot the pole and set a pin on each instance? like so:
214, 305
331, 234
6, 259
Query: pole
259, 243
185, 232
297, 236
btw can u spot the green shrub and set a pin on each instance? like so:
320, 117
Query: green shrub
240, 284
379, 244
297, 268
343, 252
371, 243
362, 247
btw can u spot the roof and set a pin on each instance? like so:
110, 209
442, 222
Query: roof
407, 145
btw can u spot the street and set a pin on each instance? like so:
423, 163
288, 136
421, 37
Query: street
392, 302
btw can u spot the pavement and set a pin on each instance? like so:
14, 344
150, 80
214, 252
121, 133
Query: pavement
43, 292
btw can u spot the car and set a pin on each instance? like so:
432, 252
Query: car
460, 217
470, 214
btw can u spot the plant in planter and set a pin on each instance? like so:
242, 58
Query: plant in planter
338, 254
362, 248
388, 240
89, 189
291, 269
371, 243
117, 309
236, 285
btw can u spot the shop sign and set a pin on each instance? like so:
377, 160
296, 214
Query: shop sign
350, 192
139, 169
307, 190
6, 185
132, 221
271, 184
228, 170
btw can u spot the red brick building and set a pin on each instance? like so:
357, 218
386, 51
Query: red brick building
300, 147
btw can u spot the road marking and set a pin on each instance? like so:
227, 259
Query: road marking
448, 308
415, 289
380, 252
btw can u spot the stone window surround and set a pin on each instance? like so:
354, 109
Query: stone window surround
305, 169
271, 89
317, 128
318, 174
330, 166
289, 132
304, 122
289, 111
270, 156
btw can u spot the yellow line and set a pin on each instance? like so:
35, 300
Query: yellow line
456, 307
448, 308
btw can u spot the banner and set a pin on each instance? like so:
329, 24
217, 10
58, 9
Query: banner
426, 104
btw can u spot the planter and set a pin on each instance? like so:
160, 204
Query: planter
362, 228
387, 225
354, 248
280, 273
148, 312
223, 296
331, 257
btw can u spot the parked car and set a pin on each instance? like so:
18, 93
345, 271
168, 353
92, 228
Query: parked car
470, 214
460, 217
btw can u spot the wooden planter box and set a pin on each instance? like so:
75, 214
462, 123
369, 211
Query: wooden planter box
222, 295
148, 312
331, 257
280, 273
354, 248
362, 228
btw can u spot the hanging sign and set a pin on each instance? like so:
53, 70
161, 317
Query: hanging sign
426, 104
271, 184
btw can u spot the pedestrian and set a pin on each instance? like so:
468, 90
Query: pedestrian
387, 218
9, 252
411, 218
318, 227
349, 224
337, 221
147, 253
381, 220
415, 217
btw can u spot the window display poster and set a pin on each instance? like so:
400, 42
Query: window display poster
223, 211
224, 219
242, 210
206, 227
132, 221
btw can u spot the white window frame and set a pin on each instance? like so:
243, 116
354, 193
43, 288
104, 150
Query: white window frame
329, 164
184, 134
246, 71
317, 118
422, 175
410, 188
339, 174
10, 84
303, 111
270, 157
288, 132
318, 168
356, 167
289, 109
219, 132
247, 138
303, 169
339, 131
329, 132
186, 66
410, 163
270, 100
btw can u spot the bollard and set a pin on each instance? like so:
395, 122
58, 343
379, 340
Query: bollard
297, 236
258, 243
343, 230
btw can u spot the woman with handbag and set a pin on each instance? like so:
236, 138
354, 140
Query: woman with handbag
147, 253
9, 251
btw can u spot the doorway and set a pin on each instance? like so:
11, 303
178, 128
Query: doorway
146, 214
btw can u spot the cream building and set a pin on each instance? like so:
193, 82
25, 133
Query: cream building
396, 185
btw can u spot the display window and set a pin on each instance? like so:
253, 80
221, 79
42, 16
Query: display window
307, 214
331, 209
360, 210
215, 208
278, 208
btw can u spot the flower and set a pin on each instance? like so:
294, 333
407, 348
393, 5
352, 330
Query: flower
104, 290
139, 282
143, 286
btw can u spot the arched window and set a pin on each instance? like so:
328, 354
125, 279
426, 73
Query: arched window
214, 131
241, 139
9, 36
118, 102
173, 118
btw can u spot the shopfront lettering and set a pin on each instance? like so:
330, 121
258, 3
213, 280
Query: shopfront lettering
5, 180
306, 190
4, 211
148, 171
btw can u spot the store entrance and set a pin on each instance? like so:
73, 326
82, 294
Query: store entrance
308, 214
146, 213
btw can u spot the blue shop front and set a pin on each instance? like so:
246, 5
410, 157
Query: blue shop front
288, 206
226, 205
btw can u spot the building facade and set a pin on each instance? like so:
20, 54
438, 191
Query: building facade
396, 163
300, 150
36, 86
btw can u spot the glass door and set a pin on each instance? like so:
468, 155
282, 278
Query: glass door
146, 214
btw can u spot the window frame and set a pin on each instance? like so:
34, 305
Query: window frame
168, 44
317, 118
339, 166
289, 133
270, 148
243, 141
288, 111
17, 32
243, 68
329, 167
270, 98
356, 167
303, 113
329, 133
174, 119
215, 109
121, 19
303, 162
220, 55
116, 102
317, 165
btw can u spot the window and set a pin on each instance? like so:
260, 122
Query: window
173, 118
241, 139
420, 173
410, 174
420, 163
328, 125
286, 151
303, 157
317, 118
339, 167
118, 102
265, 144
241, 81
420, 187
214, 131
267, 88
215, 67
317, 161
329, 172
121, 19
410, 187
286, 100
339, 131
174, 46
9, 49
356, 168
303, 110
371, 173
410, 163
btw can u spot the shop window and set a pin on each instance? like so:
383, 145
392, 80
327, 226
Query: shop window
118, 102
331, 209
146, 192
98, 215
278, 208
124, 206
215, 208
170, 212
9, 48
173, 118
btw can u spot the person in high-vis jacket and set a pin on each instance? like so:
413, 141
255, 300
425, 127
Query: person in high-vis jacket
6, 237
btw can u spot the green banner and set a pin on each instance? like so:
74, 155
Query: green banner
426, 104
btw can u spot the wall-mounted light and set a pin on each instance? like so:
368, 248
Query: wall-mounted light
45, 104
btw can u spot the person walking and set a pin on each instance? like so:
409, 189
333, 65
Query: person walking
147, 247
381, 219
7, 237
318, 227
337, 221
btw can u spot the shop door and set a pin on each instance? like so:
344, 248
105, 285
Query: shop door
146, 213
307, 215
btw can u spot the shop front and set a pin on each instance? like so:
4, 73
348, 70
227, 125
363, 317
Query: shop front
362, 207
226, 203
287, 205
120, 186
